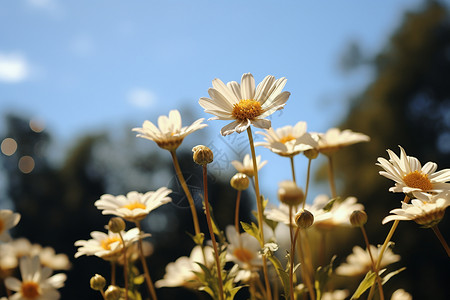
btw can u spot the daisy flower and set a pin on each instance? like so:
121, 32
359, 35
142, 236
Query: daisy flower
287, 140
181, 272
324, 218
243, 249
246, 166
334, 139
106, 245
359, 262
134, 206
335, 295
401, 294
427, 210
8, 219
410, 176
37, 282
170, 134
243, 104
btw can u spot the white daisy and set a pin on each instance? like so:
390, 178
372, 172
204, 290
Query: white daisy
50, 259
324, 218
334, 139
37, 282
359, 262
106, 245
8, 260
288, 140
243, 249
427, 210
335, 295
181, 271
8, 219
246, 166
134, 206
401, 294
410, 176
170, 134
243, 104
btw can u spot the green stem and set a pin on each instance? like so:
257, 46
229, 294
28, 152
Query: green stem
260, 212
291, 256
308, 175
441, 239
113, 273
211, 231
148, 279
292, 168
125, 265
331, 177
187, 192
236, 212
366, 240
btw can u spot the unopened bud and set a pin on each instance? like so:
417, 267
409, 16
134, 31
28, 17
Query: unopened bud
116, 225
358, 218
202, 155
112, 293
304, 219
98, 282
311, 153
240, 181
290, 193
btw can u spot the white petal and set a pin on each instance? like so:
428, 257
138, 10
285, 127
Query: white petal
248, 86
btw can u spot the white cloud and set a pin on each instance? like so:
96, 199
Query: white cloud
142, 98
14, 68
49, 6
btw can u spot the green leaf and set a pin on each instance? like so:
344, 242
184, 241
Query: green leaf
330, 204
138, 280
390, 275
252, 229
323, 274
366, 283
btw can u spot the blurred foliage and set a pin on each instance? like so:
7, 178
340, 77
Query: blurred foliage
407, 104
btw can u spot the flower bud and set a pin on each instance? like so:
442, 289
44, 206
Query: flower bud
290, 193
304, 219
116, 225
358, 218
112, 293
240, 181
311, 153
98, 282
202, 155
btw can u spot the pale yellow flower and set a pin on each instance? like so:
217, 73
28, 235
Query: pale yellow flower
8, 219
410, 176
335, 139
244, 104
246, 166
288, 140
170, 133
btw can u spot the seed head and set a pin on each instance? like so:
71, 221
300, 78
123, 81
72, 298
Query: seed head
304, 219
202, 155
240, 181
290, 193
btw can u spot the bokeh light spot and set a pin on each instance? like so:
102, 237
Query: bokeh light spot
37, 125
26, 164
9, 146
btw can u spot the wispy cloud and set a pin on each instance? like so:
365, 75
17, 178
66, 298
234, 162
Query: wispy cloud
14, 67
50, 6
140, 97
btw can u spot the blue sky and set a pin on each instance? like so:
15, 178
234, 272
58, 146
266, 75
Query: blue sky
82, 65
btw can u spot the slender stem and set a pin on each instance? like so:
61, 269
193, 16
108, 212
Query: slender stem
186, 191
366, 240
291, 256
103, 294
383, 248
113, 273
236, 212
292, 168
125, 265
211, 231
260, 212
148, 279
441, 239
323, 247
308, 175
331, 177
304, 266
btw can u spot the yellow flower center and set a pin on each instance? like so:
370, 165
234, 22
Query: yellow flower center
135, 205
243, 254
286, 139
247, 109
418, 180
30, 290
106, 243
